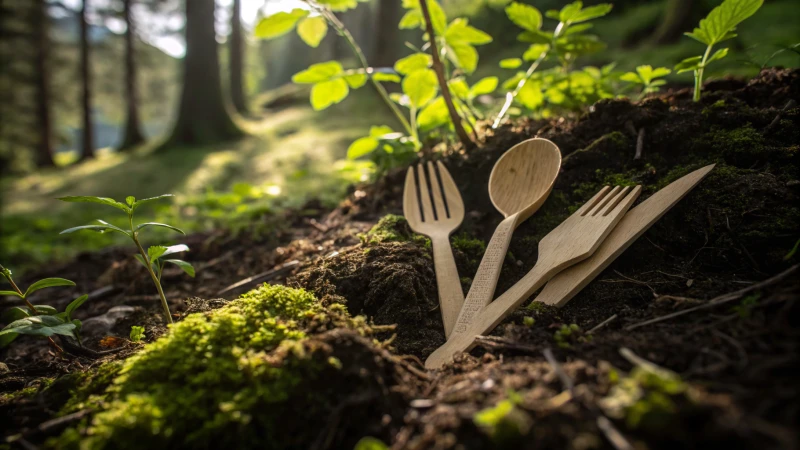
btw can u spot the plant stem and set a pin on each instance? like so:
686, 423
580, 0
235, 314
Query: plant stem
344, 32
19, 291
150, 271
698, 75
513, 94
439, 69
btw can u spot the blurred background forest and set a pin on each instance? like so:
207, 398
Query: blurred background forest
146, 97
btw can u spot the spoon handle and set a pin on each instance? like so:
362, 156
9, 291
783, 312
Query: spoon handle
483, 285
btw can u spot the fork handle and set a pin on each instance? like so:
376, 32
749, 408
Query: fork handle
491, 315
485, 282
451, 296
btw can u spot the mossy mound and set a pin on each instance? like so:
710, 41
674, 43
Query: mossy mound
242, 376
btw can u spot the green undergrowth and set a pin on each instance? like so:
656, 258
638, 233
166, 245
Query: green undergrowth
393, 228
223, 377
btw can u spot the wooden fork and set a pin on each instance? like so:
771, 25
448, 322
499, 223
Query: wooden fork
572, 241
441, 212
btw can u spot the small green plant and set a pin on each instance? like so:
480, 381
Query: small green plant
720, 25
566, 335
505, 422
39, 320
745, 307
646, 77
528, 321
564, 44
137, 333
370, 443
153, 259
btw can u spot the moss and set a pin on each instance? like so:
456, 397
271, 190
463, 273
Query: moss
470, 246
393, 228
85, 389
223, 376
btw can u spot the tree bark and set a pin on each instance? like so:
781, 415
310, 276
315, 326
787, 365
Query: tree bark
44, 154
133, 129
203, 115
86, 94
237, 59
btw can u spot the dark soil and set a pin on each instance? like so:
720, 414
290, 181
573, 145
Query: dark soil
735, 230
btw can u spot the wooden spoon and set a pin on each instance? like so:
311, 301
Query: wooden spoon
520, 182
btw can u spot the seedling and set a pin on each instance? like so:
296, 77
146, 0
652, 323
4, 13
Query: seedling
566, 42
137, 333
720, 25
39, 320
152, 259
645, 76
568, 334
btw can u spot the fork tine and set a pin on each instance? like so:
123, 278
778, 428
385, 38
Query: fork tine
438, 202
410, 203
453, 197
614, 201
604, 201
626, 202
424, 193
593, 201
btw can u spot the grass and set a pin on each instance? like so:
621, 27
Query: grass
290, 156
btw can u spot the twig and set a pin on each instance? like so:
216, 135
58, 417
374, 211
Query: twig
639, 144
777, 118
264, 276
439, 69
496, 342
602, 324
725, 298
46, 427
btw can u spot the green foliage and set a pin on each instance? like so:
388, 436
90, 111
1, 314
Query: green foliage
370, 443
152, 260
745, 307
720, 25
137, 333
38, 320
568, 334
645, 76
504, 422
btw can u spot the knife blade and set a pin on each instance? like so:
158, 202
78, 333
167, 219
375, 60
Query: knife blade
566, 284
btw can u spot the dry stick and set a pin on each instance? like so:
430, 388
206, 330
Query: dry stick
264, 276
639, 144
725, 298
602, 324
606, 426
777, 118
439, 69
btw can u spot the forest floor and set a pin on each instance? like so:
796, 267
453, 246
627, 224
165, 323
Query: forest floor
278, 368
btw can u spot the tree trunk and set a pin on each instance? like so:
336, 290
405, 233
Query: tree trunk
236, 59
86, 94
203, 115
133, 130
677, 16
44, 154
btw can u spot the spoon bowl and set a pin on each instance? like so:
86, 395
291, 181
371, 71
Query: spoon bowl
519, 184
523, 177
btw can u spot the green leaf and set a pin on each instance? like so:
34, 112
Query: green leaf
460, 32
42, 310
530, 96
688, 64
370, 443
420, 87
438, 17
113, 227
156, 224
7, 338
631, 77
172, 249
40, 326
719, 54
465, 56
137, 333
484, 86
185, 266
279, 24
510, 63
459, 88
145, 201
580, 44
130, 200
362, 146
13, 314
328, 93
647, 74
155, 251
579, 28
317, 73
434, 115
591, 12
356, 80
412, 19
97, 228
100, 200
535, 51
536, 37
524, 16
14, 293
339, 5
390, 77
312, 30
380, 131
46, 283
569, 11
412, 63
75, 304
722, 20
